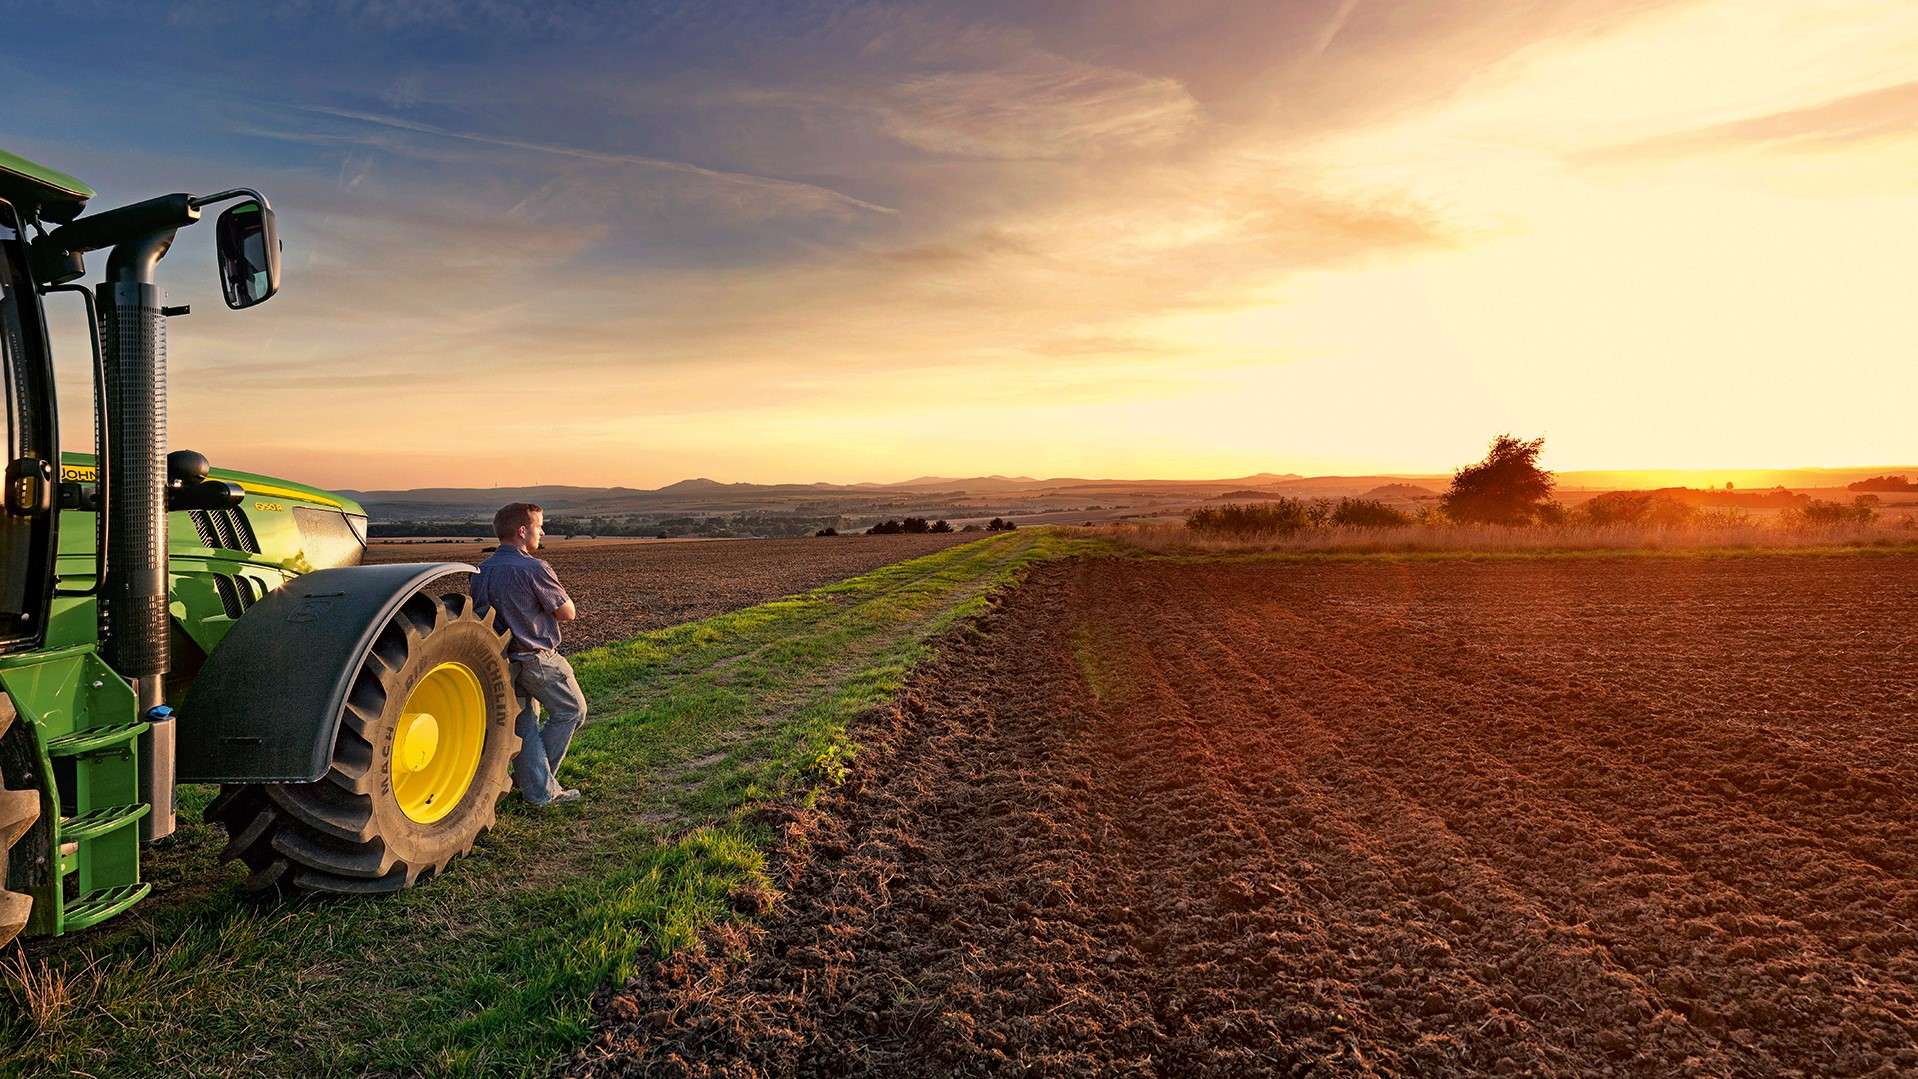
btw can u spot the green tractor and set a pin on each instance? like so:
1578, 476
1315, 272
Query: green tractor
164, 622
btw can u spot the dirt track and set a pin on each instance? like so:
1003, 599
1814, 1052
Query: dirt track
1640, 817
624, 587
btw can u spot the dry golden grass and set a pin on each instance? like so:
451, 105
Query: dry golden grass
1173, 537
40, 992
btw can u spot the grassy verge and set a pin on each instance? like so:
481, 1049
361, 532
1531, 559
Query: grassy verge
492, 968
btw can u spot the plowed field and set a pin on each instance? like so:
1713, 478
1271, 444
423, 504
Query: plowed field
625, 587
1612, 816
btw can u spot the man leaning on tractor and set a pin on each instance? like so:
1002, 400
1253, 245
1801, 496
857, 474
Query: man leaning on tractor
527, 594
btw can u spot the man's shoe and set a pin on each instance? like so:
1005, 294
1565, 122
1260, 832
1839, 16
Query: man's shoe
570, 794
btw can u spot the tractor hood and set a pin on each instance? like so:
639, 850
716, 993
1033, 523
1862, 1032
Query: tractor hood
287, 525
78, 467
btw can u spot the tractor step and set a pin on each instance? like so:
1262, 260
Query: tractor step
100, 821
95, 907
95, 740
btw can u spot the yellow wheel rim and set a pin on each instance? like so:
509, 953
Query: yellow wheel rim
436, 749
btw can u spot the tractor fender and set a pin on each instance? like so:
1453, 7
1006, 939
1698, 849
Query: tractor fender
266, 706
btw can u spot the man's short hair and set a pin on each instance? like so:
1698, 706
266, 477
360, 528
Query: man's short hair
511, 516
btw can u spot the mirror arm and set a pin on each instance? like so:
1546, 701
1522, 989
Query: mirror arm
112, 227
100, 447
228, 195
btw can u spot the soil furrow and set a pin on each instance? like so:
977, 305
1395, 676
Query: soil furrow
1463, 901
1587, 878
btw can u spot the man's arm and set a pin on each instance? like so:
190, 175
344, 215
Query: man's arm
553, 595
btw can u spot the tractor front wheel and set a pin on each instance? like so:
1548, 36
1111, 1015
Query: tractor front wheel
424, 751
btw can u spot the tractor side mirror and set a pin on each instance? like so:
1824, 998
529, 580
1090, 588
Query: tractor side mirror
249, 253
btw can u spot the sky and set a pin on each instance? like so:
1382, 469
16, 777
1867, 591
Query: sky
631, 243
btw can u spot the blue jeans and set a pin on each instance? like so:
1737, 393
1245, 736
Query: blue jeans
545, 680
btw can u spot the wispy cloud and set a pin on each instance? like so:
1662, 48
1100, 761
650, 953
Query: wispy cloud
1330, 31
1056, 110
1891, 111
811, 195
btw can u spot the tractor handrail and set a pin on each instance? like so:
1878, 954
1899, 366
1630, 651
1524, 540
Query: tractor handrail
100, 445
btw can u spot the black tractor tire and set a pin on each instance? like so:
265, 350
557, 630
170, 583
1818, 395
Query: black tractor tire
19, 812
346, 832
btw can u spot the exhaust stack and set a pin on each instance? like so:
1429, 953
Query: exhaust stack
133, 339
138, 642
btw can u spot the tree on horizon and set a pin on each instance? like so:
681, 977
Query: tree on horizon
1506, 488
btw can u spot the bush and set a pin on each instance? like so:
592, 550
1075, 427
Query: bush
1000, 524
1506, 488
1367, 513
886, 528
1283, 517
1863, 510
1637, 508
827, 531
941, 527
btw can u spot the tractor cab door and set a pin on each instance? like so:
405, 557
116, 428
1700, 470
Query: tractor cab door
26, 541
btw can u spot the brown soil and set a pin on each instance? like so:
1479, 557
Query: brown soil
1632, 817
624, 587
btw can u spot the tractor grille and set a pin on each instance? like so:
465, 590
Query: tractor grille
237, 593
226, 529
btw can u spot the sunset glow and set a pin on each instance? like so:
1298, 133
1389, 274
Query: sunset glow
846, 242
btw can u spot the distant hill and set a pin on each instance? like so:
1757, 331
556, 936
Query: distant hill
700, 484
703, 498
1400, 490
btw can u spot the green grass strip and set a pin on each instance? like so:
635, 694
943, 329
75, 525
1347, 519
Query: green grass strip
492, 968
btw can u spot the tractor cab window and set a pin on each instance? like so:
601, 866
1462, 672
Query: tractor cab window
11, 343
24, 541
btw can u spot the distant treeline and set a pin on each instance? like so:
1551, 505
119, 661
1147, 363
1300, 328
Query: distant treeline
914, 526
388, 529
1893, 484
1508, 488
1711, 498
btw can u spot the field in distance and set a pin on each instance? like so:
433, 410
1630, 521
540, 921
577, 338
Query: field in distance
627, 586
